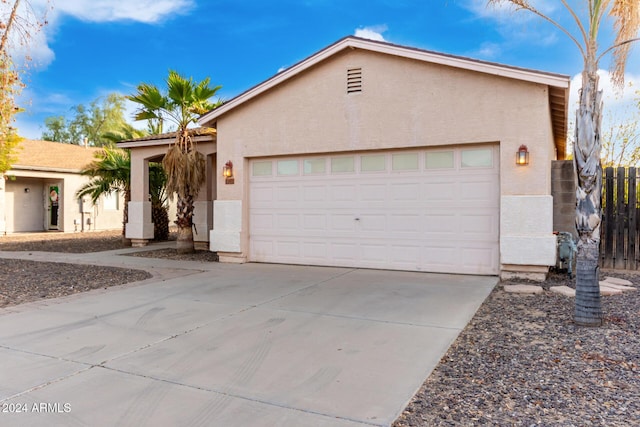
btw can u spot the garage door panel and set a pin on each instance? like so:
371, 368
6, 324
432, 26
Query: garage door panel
421, 220
288, 248
373, 253
439, 191
316, 222
404, 191
442, 224
344, 251
262, 222
315, 250
407, 256
287, 193
404, 223
342, 222
373, 192
341, 193
315, 193
262, 195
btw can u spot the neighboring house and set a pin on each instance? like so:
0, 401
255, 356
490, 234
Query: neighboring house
39, 192
374, 155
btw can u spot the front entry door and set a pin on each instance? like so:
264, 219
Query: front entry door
54, 207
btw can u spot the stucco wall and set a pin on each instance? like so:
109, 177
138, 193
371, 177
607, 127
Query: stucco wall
404, 103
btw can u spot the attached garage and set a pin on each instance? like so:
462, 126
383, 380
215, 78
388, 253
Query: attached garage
422, 210
374, 155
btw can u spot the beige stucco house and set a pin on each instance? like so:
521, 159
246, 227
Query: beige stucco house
38, 193
373, 155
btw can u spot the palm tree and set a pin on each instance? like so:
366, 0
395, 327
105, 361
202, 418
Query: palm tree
184, 101
625, 15
111, 171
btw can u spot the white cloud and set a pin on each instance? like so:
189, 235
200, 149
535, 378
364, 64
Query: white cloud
147, 11
371, 33
96, 11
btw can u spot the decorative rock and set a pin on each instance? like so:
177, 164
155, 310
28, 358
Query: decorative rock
607, 291
616, 286
563, 290
523, 289
617, 281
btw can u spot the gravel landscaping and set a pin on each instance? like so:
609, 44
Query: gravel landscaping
520, 362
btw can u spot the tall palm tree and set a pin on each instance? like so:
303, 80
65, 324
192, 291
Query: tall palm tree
111, 171
625, 15
182, 104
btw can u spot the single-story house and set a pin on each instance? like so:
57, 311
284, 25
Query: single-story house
369, 154
38, 193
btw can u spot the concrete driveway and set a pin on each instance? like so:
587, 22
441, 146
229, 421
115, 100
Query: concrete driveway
233, 345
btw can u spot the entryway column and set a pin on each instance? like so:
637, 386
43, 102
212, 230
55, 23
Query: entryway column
139, 227
203, 208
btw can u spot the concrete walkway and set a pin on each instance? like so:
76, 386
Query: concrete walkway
229, 345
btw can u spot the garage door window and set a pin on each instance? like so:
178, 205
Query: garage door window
374, 163
262, 169
439, 160
404, 162
287, 167
314, 166
477, 158
342, 164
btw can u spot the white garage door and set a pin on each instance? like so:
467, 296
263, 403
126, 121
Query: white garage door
425, 210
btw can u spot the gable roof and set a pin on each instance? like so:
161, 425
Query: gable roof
53, 156
558, 84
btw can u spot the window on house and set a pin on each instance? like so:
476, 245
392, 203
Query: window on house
439, 159
262, 168
477, 158
287, 167
312, 166
404, 161
342, 164
373, 163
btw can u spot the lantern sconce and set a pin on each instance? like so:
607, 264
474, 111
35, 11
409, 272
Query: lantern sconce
522, 156
227, 172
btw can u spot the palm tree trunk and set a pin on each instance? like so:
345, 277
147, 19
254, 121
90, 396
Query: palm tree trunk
184, 244
125, 218
587, 147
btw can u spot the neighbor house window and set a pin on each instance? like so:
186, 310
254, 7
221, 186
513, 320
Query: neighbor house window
439, 159
110, 201
287, 167
404, 161
373, 163
312, 166
262, 168
477, 158
342, 164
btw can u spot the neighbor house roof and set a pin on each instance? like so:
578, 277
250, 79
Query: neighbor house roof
53, 156
558, 84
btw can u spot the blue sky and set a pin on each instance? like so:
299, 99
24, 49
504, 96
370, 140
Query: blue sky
94, 47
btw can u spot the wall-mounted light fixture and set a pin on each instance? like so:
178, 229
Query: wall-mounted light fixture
522, 156
227, 172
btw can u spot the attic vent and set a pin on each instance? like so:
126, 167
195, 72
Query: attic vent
354, 80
